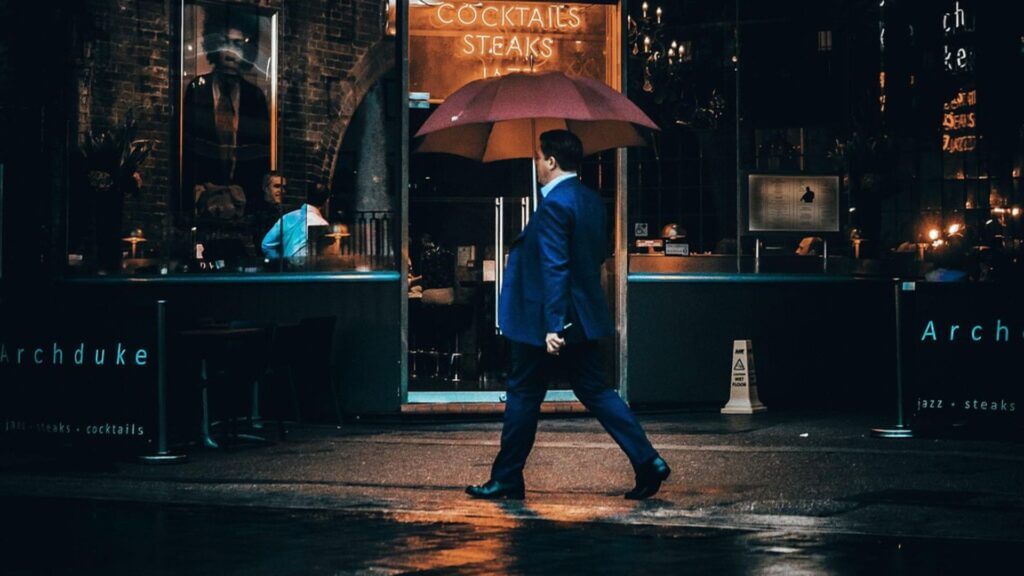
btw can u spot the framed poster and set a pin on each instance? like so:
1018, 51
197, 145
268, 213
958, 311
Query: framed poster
793, 203
228, 107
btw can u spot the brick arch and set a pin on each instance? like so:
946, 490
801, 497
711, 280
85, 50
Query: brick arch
373, 64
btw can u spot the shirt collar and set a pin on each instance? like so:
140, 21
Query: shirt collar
551, 185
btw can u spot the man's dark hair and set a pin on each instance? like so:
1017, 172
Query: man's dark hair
317, 194
564, 146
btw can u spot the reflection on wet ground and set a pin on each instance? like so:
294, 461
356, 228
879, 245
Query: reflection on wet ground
55, 536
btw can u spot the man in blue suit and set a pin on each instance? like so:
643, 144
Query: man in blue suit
552, 309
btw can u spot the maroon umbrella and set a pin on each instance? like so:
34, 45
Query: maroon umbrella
501, 118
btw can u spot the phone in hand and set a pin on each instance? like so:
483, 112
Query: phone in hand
561, 333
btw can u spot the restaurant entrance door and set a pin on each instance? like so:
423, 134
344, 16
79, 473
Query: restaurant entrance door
463, 218
462, 214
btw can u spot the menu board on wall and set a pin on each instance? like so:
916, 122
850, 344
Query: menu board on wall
793, 203
454, 43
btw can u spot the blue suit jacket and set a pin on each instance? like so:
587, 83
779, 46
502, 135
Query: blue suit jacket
553, 275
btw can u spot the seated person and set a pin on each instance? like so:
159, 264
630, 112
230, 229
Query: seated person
274, 186
437, 265
955, 259
810, 246
273, 189
289, 236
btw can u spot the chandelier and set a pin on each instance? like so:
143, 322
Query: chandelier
661, 64
659, 58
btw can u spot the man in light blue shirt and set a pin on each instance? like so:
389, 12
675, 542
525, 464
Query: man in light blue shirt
289, 236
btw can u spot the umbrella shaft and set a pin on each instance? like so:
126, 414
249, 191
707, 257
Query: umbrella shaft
533, 161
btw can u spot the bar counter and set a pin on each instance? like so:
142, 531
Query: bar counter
367, 339
820, 340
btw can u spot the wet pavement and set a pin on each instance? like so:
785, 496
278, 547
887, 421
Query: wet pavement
103, 537
775, 493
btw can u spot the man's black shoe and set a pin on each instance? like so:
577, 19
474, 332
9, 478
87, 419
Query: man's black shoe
494, 490
648, 479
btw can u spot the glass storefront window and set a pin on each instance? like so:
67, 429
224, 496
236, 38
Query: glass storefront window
899, 121
168, 169
228, 141
216, 178
465, 215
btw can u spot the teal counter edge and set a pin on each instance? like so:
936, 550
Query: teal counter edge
727, 277
285, 278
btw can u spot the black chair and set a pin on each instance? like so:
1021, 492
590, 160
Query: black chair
231, 357
458, 319
305, 350
439, 327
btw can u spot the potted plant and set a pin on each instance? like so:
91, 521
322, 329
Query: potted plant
111, 164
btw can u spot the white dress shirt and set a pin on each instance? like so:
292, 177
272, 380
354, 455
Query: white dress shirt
292, 230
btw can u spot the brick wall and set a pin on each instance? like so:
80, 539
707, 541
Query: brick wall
330, 52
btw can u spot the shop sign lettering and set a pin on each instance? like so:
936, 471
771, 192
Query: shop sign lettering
508, 30
959, 122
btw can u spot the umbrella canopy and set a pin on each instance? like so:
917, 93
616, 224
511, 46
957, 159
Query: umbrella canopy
500, 118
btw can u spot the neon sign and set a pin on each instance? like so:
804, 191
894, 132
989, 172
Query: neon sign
508, 30
452, 42
956, 26
555, 16
514, 46
958, 117
959, 123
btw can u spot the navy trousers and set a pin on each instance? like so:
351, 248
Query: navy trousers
532, 368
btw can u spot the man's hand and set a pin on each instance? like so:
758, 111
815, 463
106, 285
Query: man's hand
554, 343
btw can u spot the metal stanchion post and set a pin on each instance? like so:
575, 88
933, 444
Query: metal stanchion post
162, 455
900, 430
